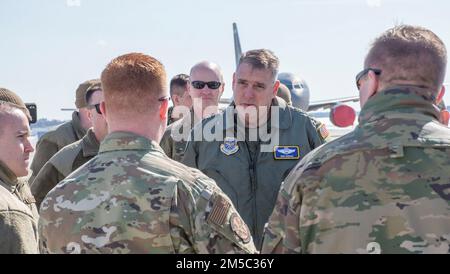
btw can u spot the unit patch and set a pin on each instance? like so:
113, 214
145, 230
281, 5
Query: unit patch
229, 146
240, 228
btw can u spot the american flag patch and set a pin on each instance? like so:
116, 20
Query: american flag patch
219, 211
323, 131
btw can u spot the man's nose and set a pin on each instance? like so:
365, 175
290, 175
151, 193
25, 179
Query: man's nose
248, 92
28, 146
207, 90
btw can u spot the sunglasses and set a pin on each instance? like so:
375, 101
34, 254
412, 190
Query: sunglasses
363, 73
164, 98
97, 108
201, 84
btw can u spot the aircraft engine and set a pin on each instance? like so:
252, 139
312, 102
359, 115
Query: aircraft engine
299, 89
342, 115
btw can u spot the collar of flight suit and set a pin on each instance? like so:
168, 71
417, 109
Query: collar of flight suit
7, 178
90, 144
285, 115
76, 124
121, 140
416, 102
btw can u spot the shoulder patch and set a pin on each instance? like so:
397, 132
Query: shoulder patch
219, 211
323, 131
240, 228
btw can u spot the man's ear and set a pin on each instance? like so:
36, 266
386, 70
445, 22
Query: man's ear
175, 99
275, 87
373, 83
222, 89
89, 115
103, 109
440, 95
163, 109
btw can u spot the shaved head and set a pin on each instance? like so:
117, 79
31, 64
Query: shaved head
207, 65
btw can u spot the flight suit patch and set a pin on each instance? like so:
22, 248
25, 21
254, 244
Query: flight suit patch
229, 146
240, 228
219, 211
323, 131
286, 153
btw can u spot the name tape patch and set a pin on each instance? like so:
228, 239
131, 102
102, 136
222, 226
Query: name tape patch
286, 153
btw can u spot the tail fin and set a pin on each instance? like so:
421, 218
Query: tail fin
237, 44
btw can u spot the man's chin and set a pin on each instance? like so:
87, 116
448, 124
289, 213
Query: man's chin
245, 106
22, 173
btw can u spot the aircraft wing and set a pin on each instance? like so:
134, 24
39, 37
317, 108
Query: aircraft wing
331, 103
313, 105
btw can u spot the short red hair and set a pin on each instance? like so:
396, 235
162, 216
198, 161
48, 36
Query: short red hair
132, 83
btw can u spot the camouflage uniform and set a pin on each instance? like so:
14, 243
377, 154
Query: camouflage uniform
63, 163
53, 141
132, 198
252, 178
175, 149
384, 187
18, 215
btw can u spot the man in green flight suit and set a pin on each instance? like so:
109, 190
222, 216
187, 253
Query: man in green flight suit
205, 88
248, 164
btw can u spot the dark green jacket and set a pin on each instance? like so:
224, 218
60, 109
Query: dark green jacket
252, 180
175, 137
54, 140
18, 215
63, 163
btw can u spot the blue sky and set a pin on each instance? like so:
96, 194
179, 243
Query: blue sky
48, 47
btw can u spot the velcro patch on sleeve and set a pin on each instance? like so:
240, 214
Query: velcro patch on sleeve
323, 131
240, 228
219, 211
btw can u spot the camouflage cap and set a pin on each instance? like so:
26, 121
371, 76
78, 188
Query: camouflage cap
80, 101
7, 96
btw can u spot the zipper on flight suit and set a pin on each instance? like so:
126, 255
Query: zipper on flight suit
253, 182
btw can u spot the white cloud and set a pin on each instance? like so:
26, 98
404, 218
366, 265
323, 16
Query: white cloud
73, 3
374, 3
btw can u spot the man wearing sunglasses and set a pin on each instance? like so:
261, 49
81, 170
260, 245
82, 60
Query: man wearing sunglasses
250, 168
74, 155
132, 198
67, 133
382, 188
205, 88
